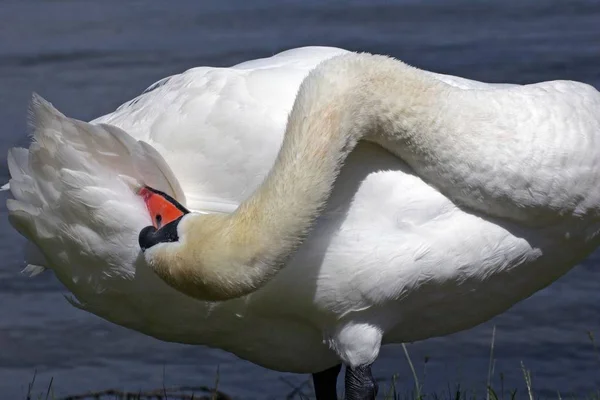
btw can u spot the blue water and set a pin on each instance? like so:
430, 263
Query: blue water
90, 56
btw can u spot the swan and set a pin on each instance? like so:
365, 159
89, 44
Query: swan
456, 199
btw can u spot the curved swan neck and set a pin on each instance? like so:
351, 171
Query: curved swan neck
345, 99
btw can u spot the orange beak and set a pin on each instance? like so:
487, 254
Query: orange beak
162, 207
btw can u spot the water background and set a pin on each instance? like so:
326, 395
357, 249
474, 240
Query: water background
87, 57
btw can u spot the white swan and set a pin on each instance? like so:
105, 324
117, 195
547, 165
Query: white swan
389, 259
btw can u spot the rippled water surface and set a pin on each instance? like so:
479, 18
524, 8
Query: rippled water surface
90, 56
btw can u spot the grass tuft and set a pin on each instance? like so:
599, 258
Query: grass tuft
298, 389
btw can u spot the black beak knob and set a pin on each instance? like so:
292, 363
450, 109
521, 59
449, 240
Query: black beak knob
150, 236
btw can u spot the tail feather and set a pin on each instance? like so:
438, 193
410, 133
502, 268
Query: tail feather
35, 260
74, 196
26, 188
42, 162
18, 165
33, 270
22, 216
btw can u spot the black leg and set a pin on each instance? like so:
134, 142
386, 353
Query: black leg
325, 383
360, 384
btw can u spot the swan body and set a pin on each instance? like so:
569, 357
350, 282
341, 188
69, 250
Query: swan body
394, 255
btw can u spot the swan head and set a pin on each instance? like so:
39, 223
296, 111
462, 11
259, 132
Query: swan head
197, 254
165, 212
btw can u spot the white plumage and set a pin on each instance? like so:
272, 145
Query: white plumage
391, 259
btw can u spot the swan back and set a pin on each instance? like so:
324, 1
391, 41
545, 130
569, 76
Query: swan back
220, 122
